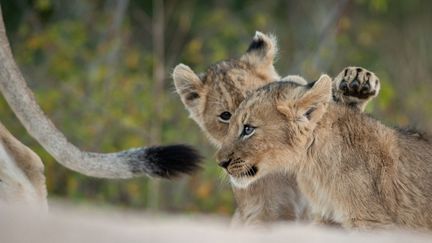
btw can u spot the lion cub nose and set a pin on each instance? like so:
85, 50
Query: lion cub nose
225, 163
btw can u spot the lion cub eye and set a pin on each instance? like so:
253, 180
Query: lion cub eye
248, 131
225, 117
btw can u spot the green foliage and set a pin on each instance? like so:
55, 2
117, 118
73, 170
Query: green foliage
95, 80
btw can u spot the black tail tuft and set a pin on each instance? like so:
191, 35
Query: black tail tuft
167, 161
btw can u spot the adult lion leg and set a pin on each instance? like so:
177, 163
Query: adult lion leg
355, 86
22, 180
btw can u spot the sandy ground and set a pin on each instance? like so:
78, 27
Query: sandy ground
77, 224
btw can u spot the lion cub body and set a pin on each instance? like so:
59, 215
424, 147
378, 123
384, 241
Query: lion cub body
352, 169
211, 96
364, 174
221, 89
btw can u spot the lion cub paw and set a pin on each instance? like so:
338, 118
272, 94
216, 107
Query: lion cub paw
355, 86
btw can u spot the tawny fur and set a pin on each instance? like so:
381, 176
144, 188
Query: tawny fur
221, 89
353, 170
22, 180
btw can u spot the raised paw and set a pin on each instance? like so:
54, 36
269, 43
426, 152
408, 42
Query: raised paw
355, 86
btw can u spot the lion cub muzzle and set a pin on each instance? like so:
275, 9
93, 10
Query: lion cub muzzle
225, 163
236, 166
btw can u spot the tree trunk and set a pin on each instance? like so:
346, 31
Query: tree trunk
158, 28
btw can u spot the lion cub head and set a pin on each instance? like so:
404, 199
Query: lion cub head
273, 128
212, 97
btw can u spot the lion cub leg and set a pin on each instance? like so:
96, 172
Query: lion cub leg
355, 86
363, 224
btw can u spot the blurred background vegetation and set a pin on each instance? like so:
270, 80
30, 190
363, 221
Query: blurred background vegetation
101, 71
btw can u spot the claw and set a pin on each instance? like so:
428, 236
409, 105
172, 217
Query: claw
368, 75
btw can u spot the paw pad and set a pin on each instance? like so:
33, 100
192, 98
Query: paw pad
358, 83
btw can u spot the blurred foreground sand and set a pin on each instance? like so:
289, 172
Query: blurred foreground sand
67, 223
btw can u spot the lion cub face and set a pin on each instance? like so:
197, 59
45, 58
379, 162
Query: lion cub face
273, 127
212, 97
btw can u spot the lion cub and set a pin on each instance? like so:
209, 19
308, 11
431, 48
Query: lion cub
212, 97
352, 169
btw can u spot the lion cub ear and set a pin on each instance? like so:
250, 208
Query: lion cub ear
188, 85
262, 50
312, 104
